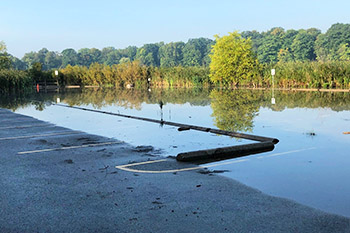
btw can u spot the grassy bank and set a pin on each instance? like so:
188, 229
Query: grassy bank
325, 75
14, 80
288, 75
134, 74
333, 74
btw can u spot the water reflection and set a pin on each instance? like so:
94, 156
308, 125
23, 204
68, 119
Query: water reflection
235, 110
232, 110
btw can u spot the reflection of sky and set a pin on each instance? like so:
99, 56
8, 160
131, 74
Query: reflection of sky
136, 132
321, 121
317, 176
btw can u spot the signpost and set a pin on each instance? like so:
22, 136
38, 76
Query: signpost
273, 72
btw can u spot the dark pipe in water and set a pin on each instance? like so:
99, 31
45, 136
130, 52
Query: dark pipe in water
225, 152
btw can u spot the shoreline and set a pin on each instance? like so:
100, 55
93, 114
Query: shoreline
79, 189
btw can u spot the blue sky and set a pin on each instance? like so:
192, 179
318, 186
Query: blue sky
56, 25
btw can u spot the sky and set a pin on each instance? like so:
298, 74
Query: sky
56, 25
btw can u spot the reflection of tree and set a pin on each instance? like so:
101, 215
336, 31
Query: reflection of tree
40, 106
133, 98
234, 110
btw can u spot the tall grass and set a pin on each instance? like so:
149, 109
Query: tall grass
333, 74
14, 80
135, 74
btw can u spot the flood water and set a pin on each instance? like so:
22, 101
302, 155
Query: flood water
310, 164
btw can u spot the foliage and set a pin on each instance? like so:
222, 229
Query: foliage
148, 54
180, 76
232, 59
328, 44
196, 52
133, 74
331, 74
14, 80
234, 110
344, 52
171, 54
5, 62
303, 46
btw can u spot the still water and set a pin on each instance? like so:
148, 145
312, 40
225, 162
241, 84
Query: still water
310, 164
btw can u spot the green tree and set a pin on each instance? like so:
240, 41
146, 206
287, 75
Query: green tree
129, 52
36, 71
17, 64
69, 57
171, 54
105, 54
124, 60
288, 38
40, 57
89, 56
327, 45
303, 46
52, 60
29, 59
256, 38
284, 55
5, 62
271, 44
344, 52
196, 51
148, 54
232, 59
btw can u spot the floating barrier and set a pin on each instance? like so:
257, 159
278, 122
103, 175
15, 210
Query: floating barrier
265, 143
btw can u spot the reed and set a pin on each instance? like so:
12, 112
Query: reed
14, 80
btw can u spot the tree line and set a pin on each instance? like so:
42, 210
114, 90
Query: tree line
275, 45
278, 45
193, 53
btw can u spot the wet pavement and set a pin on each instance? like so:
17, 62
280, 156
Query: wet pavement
53, 179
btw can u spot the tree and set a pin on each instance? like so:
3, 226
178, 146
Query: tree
171, 54
271, 44
5, 62
148, 54
327, 45
69, 57
29, 59
36, 71
17, 64
89, 56
284, 55
124, 60
256, 38
195, 52
40, 57
232, 59
52, 60
344, 52
105, 54
129, 52
303, 46
288, 38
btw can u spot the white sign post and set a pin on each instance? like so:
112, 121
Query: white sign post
273, 72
